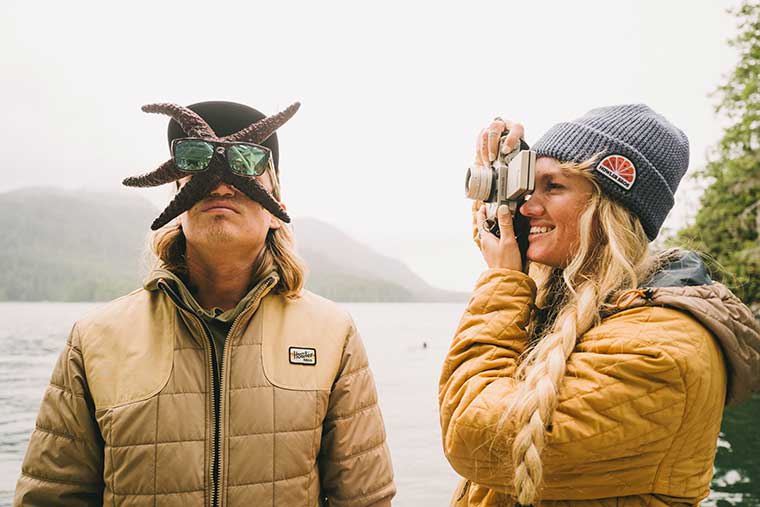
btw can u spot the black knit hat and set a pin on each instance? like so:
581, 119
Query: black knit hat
227, 118
643, 157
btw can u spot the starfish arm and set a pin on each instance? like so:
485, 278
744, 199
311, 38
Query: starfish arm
189, 120
166, 173
259, 132
196, 189
258, 193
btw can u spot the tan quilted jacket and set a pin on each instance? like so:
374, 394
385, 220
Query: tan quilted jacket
137, 414
639, 408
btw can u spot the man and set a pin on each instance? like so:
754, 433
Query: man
221, 381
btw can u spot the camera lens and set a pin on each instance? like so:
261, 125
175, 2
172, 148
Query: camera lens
478, 184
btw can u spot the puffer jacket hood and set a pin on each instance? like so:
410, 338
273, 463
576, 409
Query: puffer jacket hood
684, 284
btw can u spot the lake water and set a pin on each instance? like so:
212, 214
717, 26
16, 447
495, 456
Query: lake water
32, 335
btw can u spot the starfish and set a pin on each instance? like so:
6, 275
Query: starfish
218, 171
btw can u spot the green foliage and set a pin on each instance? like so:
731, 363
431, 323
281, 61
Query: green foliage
737, 457
726, 226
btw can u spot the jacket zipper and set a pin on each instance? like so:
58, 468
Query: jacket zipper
216, 377
266, 284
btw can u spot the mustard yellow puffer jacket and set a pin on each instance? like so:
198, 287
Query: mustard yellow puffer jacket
138, 414
639, 408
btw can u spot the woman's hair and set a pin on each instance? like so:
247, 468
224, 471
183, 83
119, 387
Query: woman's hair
612, 256
168, 246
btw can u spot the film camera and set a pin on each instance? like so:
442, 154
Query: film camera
509, 180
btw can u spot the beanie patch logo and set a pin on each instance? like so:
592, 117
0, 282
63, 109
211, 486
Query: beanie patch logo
619, 169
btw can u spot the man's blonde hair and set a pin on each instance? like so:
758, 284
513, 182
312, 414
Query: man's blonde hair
279, 255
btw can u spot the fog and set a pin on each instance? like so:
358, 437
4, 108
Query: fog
393, 95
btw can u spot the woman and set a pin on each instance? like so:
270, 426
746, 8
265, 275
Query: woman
598, 378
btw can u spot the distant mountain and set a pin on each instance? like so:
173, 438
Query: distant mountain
60, 245
331, 253
70, 246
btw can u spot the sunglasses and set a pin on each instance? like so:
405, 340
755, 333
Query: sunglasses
194, 155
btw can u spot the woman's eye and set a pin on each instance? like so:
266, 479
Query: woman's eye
554, 186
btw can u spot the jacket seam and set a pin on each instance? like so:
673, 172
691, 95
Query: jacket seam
179, 393
242, 388
155, 453
160, 494
352, 413
276, 432
182, 441
113, 472
315, 439
357, 454
67, 390
70, 345
43, 478
58, 434
365, 494
272, 481
353, 373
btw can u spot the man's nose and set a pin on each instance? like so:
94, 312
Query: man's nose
223, 189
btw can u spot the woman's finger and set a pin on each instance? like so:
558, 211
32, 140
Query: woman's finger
482, 224
493, 143
480, 216
494, 134
484, 147
516, 132
478, 144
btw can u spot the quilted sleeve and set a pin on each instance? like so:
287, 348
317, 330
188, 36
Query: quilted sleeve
354, 462
63, 465
483, 357
620, 403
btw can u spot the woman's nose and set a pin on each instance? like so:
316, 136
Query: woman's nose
532, 207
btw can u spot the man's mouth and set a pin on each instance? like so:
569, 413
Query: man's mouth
219, 206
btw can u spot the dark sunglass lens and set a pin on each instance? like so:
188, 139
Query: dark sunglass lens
247, 160
193, 156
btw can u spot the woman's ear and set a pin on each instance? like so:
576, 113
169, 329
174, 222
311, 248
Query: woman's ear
274, 222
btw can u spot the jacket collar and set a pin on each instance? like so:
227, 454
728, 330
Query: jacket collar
182, 296
684, 284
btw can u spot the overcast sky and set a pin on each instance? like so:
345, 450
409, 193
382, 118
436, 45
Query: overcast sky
393, 94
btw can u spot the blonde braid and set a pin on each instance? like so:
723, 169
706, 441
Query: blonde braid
543, 370
611, 256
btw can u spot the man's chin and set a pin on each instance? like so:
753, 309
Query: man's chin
220, 230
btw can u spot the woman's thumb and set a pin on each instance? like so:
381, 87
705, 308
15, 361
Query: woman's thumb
506, 228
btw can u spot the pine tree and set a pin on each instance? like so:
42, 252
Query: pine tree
728, 222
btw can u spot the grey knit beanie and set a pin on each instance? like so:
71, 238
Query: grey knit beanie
643, 157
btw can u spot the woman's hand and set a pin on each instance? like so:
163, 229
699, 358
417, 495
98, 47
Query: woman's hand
500, 252
488, 140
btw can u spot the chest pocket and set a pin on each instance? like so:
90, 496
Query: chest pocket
129, 351
301, 346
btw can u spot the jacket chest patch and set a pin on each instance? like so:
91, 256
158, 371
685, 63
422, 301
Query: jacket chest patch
302, 355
